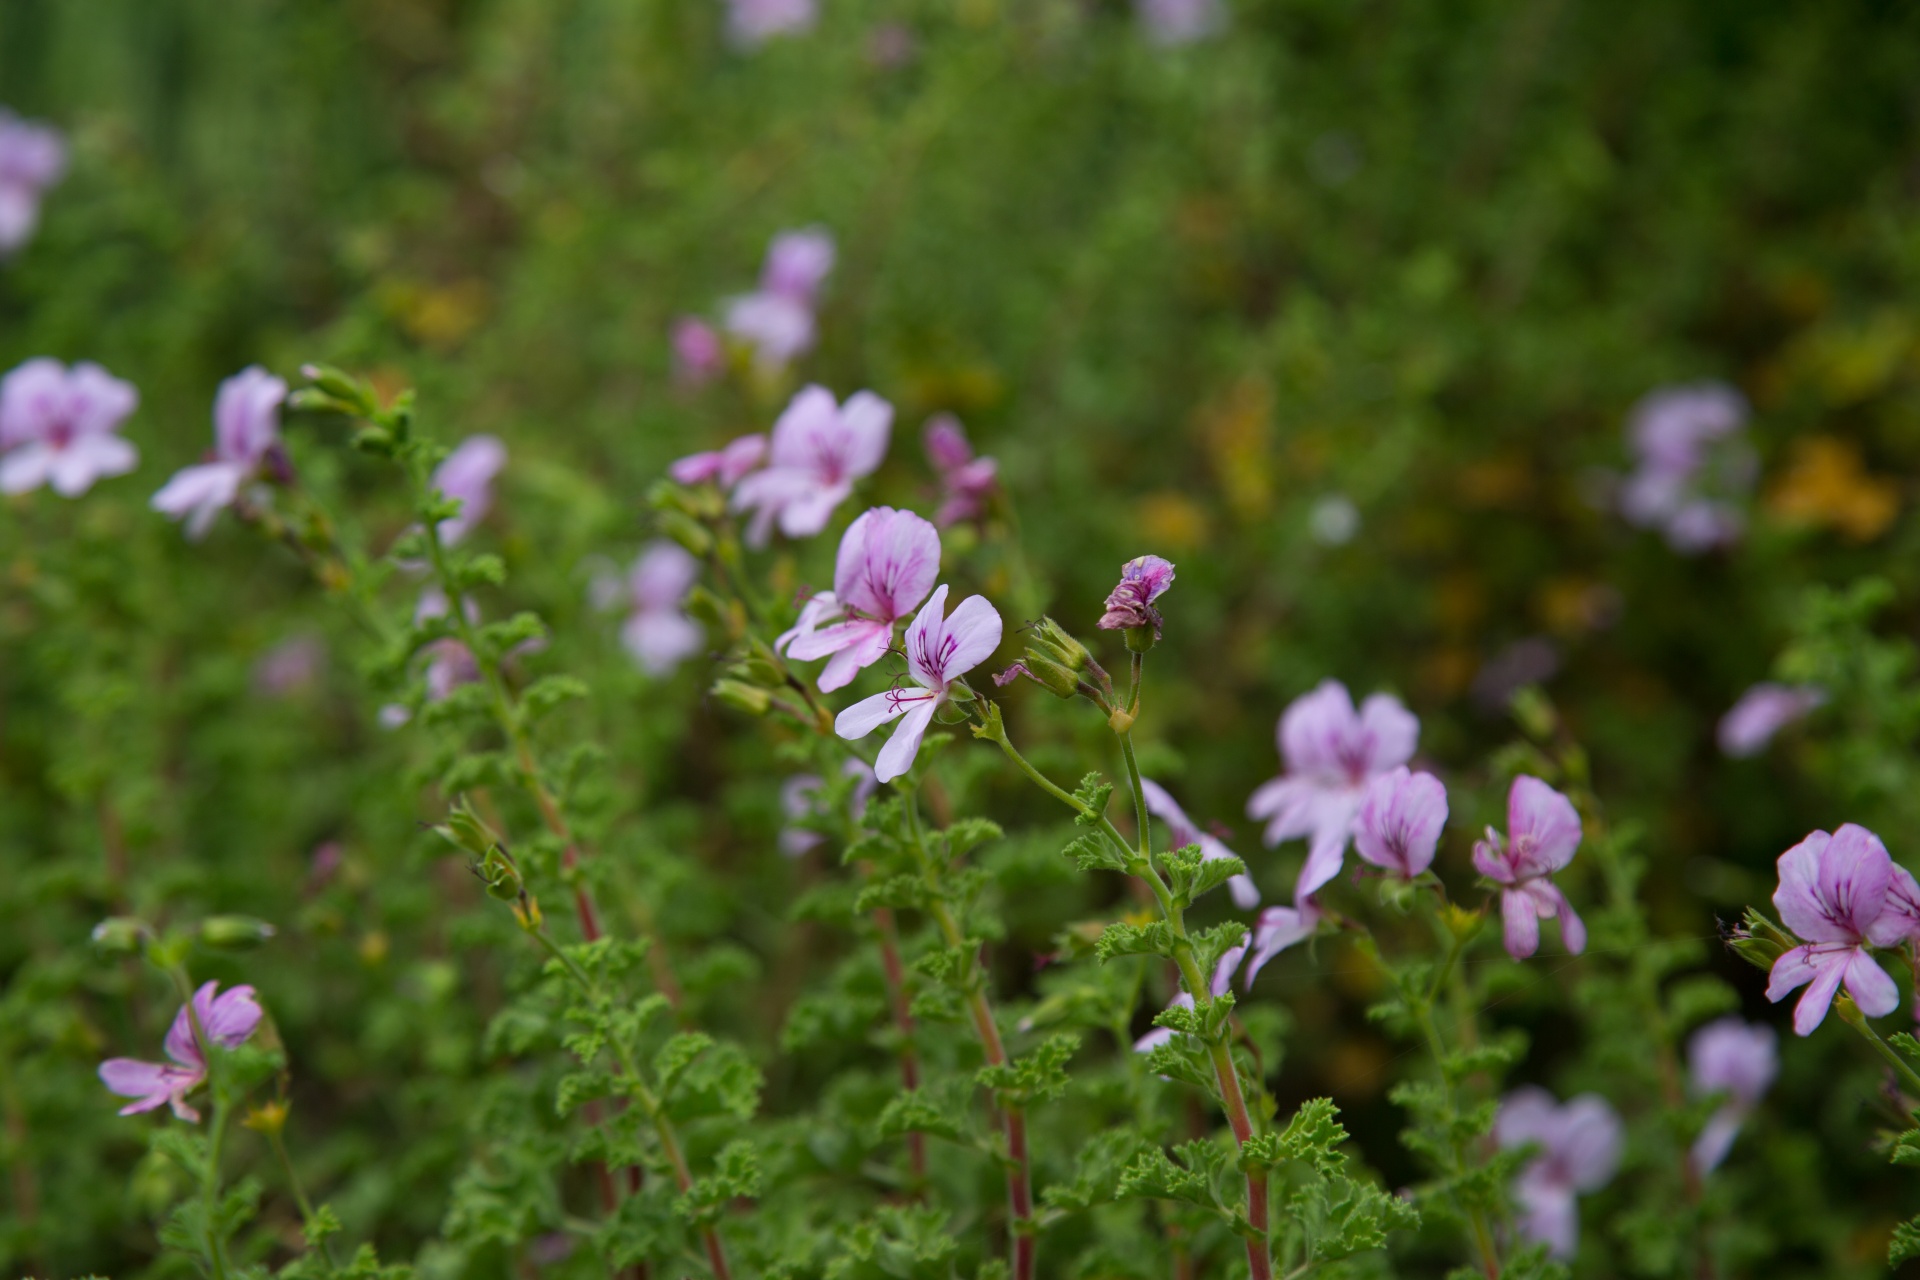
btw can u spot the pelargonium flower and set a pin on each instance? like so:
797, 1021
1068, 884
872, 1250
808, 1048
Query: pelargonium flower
1274, 930
966, 482
799, 800
1332, 753
940, 649
777, 319
227, 1019
1543, 832
32, 158
246, 436
1580, 1150
751, 23
1694, 465
60, 426
658, 633
1834, 893
1143, 580
467, 474
1401, 817
798, 263
1246, 894
1763, 711
725, 466
1176, 22
819, 448
698, 355
887, 563
1739, 1060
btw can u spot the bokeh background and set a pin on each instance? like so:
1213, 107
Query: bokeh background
1343, 309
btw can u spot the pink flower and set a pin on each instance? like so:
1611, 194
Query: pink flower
723, 467
32, 158
1401, 816
698, 355
1157, 1036
1729, 1057
59, 426
658, 634
226, 1019
1763, 711
1543, 831
1580, 1149
1834, 893
818, 450
1175, 22
1143, 580
246, 431
1332, 753
1694, 466
798, 263
1246, 894
940, 650
290, 667
799, 801
777, 319
467, 475
966, 482
751, 23
1278, 928
887, 563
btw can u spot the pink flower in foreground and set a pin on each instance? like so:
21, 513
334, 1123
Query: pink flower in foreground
751, 23
1543, 832
725, 466
658, 634
1401, 817
1763, 711
1834, 893
246, 432
1332, 753
60, 426
966, 482
1175, 22
940, 650
1579, 1151
1738, 1060
1143, 580
698, 355
1246, 894
32, 158
800, 800
887, 563
819, 448
467, 475
227, 1019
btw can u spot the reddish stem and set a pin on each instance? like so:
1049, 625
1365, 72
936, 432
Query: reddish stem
903, 1022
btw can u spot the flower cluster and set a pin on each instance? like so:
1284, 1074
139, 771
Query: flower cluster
1843, 895
1694, 466
1579, 1146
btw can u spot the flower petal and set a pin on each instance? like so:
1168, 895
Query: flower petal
897, 756
1543, 828
1870, 986
1522, 923
868, 714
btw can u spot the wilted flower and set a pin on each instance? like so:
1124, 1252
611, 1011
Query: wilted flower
1173, 22
246, 431
698, 355
1763, 711
1332, 753
966, 482
1730, 1057
227, 1019
723, 467
1834, 893
1580, 1149
1246, 894
32, 158
1143, 580
887, 563
940, 649
658, 634
751, 23
819, 449
1543, 832
1401, 817
1693, 465
777, 319
467, 474
59, 426
799, 800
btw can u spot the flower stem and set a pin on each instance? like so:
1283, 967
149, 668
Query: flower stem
279, 1144
1851, 1015
896, 979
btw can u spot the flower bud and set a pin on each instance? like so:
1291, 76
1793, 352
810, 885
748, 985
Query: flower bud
743, 697
1048, 641
120, 936
354, 396
686, 531
703, 606
500, 874
464, 829
234, 933
1758, 940
756, 669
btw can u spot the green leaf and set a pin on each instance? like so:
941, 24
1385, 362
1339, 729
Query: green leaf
907, 892
1092, 851
968, 834
1123, 939
924, 1111
548, 692
1037, 1076
1905, 1245
1093, 794
736, 1173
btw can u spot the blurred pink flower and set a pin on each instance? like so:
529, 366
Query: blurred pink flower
658, 634
777, 319
1276, 929
725, 466
1401, 817
887, 563
60, 426
1731, 1058
1174, 22
1834, 892
1246, 894
751, 23
1694, 465
467, 475
799, 801
698, 356
966, 482
819, 448
227, 1019
32, 158
1543, 833
246, 432
289, 667
1579, 1145
1763, 711
798, 263
940, 649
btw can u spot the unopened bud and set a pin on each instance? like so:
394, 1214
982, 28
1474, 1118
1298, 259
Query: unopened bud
1758, 940
1048, 641
743, 697
234, 933
354, 395
686, 531
527, 912
1461, 922
758, 670
464, 829
703, 606
120, 936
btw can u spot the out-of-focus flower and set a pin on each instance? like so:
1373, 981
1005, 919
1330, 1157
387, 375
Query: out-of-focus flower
1826, 482
1175, 22
1834, 893
1401, 817
799, 800
32, 158
798, 263
966, 482
940, 649
751, 23
698, 355
1246, 894
724, 467
1528, 660
246, 432
1695, 466
1157, 1036
289, 667
226, 1019
1738, 1060
819, 448
777, 319
60, 426
467, 474
450, 663
1333, 521
658, 634
887, 563
1332, 753
1143, 580
1278, 928
1543, 832
1579, 1151
1763, 711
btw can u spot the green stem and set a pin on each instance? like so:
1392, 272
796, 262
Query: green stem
279, 1144
1851, 1015
210, 1183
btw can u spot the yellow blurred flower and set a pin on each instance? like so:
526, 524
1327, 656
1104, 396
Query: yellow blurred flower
1172, 521
1827, 484
1236, 431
